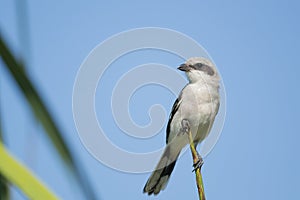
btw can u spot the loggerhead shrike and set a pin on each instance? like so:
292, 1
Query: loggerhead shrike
198, 103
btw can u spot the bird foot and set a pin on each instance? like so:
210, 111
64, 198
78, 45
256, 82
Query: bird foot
199, 163
185, 125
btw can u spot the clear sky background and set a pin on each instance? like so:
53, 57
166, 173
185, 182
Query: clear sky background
255, 45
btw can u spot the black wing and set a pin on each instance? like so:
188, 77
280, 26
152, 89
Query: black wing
174, 110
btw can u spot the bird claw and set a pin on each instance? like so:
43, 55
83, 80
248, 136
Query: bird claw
199, 163
185, 126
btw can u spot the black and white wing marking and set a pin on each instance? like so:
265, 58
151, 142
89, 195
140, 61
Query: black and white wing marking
174, 110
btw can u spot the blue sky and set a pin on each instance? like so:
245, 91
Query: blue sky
255, 45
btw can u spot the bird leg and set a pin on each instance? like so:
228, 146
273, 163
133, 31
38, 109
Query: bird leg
198, 160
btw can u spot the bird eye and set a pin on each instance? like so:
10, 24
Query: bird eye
198, 65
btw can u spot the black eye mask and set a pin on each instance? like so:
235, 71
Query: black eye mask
202, 67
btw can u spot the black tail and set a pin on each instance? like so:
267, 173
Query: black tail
159, 178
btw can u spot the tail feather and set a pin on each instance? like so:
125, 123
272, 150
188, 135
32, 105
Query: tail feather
159, 178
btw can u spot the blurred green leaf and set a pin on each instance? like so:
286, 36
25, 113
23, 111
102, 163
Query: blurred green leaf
43, 116
20, 176
4, 187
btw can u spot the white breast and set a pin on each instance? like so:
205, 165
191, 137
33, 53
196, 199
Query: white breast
199, 105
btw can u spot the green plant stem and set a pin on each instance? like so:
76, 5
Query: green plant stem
19, 175
199, 179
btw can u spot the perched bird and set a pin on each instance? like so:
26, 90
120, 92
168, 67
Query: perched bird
198, 103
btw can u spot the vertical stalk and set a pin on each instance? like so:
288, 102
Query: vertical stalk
186, 128
199, 179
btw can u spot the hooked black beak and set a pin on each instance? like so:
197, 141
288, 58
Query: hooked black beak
184, 67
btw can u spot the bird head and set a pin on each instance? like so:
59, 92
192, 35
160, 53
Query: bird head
199, 68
